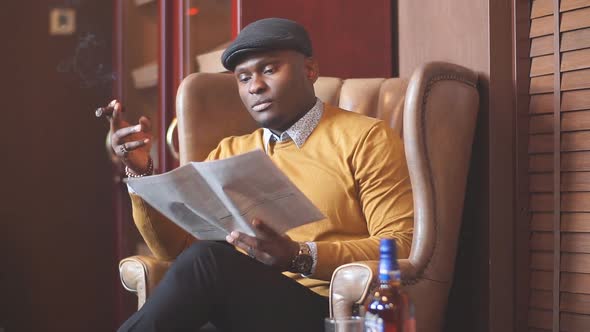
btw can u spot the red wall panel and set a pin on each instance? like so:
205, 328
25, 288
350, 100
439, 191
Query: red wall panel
350, 38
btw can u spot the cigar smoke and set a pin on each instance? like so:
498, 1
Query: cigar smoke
87, 62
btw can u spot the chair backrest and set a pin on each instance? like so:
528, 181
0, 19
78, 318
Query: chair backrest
209, 108
434, 112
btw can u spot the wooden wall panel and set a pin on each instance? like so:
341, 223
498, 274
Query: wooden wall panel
576, 19
541, 124
575, 303
566, 5
541, 163
560, 240
542, 222
575, 282
344, 49
575, 100
575, 161
427, 28
542, 261
575, 141
541, 46
541, 299
575, 222
540, 319
541, 26
573, 40
579, 263
541, 143
575, 181
541, 280
574, 121
541, 182
541, 202
579, 79
575, 322
542, 241
541, 104
572, 60
575, 242
541, 84
57, 234
575, 202
541, 8
459, 31
542, 65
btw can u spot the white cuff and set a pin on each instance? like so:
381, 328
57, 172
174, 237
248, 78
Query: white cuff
130, 190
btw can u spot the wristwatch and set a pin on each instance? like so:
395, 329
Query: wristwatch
303, 261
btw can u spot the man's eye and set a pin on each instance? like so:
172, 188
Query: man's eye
243, 78
269, 70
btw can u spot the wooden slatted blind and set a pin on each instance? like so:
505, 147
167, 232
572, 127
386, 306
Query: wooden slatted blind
559, 166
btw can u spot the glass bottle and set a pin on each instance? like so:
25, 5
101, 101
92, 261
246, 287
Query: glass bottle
388, 308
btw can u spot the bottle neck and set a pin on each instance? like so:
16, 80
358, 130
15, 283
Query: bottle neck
393, 277
388, 269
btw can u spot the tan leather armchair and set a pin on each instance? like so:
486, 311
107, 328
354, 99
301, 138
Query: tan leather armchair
434, 111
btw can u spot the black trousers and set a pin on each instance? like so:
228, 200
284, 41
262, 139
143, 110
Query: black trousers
212, 282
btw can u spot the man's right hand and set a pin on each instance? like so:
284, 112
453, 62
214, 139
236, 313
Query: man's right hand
130, 143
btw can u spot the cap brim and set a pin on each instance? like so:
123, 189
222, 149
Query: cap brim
234, 57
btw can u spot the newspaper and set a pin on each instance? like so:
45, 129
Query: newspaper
211, 199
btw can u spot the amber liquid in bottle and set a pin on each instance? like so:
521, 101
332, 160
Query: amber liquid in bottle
388, 308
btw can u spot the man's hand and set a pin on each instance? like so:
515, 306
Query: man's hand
130, 143
269, 247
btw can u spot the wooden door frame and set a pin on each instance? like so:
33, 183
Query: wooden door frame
508, 256
521, 79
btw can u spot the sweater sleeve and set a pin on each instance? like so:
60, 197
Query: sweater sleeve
385, 195
165, 239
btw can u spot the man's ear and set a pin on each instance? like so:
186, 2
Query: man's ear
312, 69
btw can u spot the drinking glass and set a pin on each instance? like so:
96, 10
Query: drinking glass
345, 324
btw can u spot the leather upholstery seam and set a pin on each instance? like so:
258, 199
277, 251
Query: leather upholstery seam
431, 82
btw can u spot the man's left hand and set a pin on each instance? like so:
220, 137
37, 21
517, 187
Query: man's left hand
269, 247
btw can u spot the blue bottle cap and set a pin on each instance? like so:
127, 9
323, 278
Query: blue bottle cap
388, 247
388, 266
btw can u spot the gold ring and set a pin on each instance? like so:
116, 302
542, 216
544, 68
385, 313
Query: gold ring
123, 150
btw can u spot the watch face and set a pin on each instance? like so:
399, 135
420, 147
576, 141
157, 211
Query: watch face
303, 264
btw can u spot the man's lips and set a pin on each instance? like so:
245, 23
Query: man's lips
259, 107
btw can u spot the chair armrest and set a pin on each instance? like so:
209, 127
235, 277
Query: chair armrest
141, 274
349, 286
351, 283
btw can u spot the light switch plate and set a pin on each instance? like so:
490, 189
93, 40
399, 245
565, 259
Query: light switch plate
62, 21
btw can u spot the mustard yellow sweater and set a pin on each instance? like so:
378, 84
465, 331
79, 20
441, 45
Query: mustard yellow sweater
352, 168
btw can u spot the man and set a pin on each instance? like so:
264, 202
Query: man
350, 166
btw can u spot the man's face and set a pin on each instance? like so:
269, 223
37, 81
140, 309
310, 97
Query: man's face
276, 87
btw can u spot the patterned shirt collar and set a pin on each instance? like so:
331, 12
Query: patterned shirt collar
299, 132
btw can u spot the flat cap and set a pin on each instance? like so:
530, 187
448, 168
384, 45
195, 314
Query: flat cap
267, 34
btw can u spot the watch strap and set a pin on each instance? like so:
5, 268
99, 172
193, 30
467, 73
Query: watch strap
304, 253
314, 255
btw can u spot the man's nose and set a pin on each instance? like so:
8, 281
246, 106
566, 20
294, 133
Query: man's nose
257, 85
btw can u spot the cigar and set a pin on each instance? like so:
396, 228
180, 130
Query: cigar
104, 111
